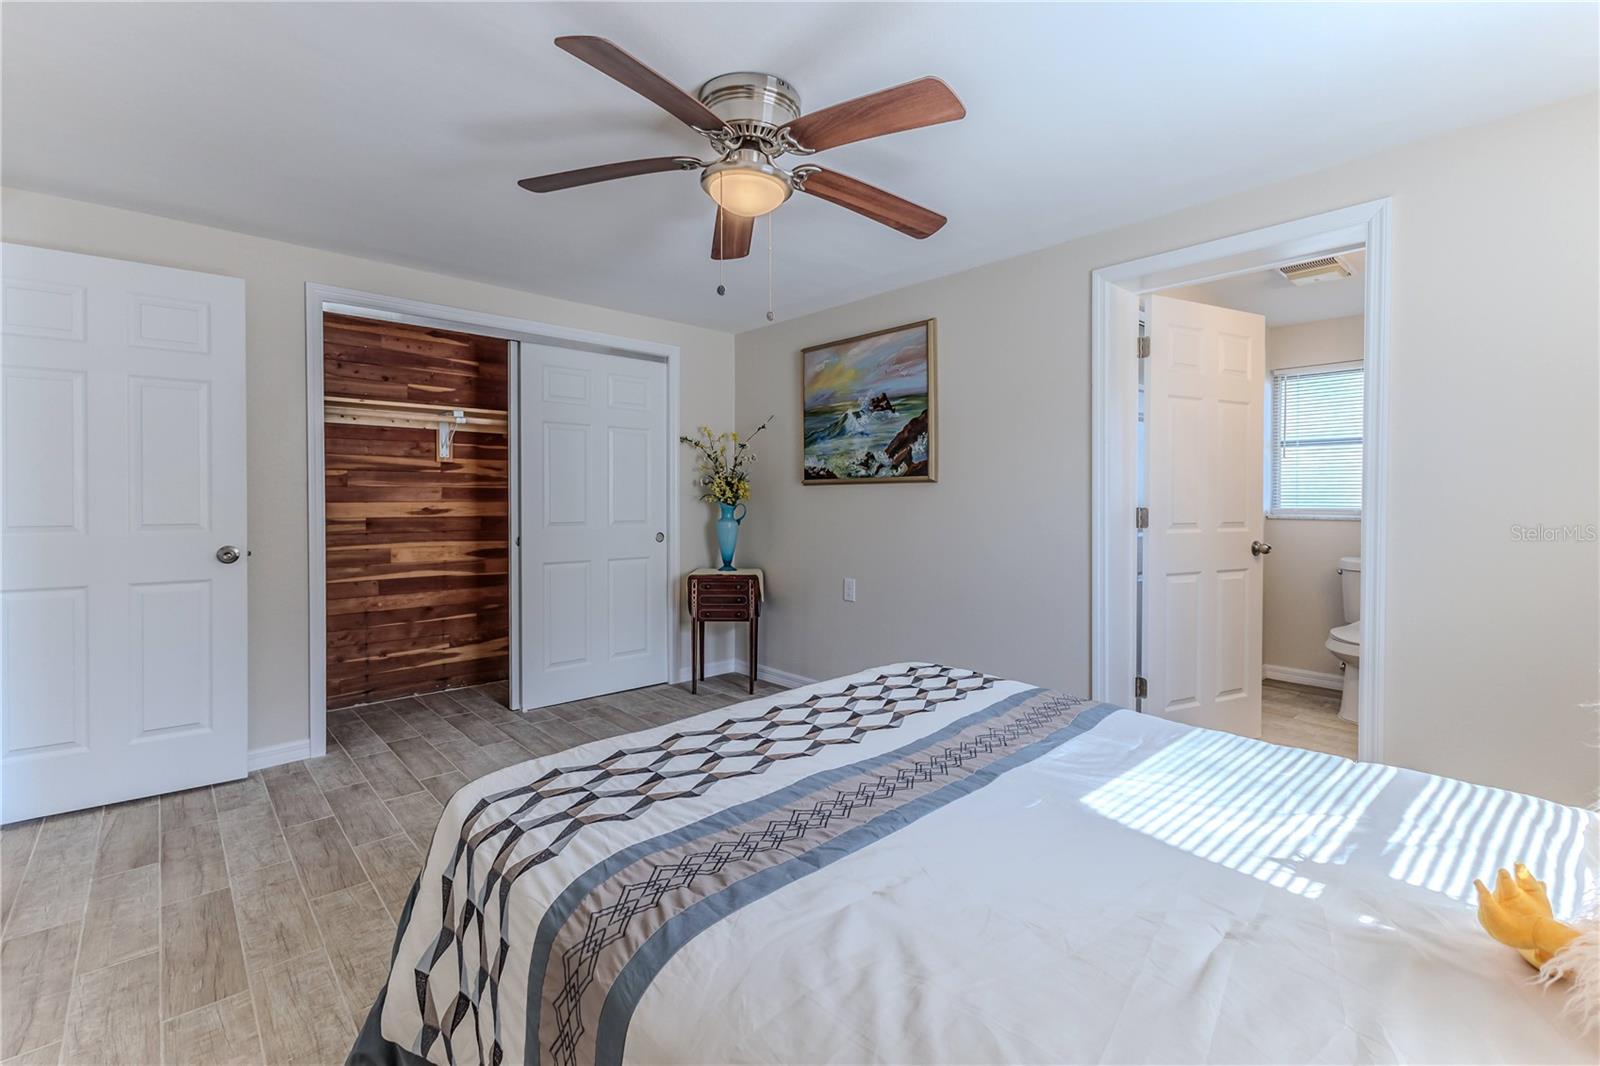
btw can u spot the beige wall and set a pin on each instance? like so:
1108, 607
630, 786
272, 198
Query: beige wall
275, 277
1302, 597
1492, 640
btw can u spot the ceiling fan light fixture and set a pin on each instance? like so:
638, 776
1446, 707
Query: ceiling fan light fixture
752, 118
746, 184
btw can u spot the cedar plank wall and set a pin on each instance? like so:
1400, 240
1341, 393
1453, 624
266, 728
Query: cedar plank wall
417, 574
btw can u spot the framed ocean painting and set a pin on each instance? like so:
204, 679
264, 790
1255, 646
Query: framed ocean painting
869, 408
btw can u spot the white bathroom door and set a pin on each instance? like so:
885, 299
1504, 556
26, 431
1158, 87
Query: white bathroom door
593, 565
122, 634
1204, 400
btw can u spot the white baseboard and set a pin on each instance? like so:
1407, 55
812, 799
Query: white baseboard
277, 754
1295, 675
721, 666
783, 677
741, 667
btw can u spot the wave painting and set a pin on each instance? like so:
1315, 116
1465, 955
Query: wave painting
869, 407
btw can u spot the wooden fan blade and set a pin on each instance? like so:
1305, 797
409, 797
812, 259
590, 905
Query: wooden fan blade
613, 62
730, 239
924, 102
873, 202
569, 179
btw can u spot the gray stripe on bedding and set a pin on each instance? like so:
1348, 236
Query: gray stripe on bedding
568, 901
629, 985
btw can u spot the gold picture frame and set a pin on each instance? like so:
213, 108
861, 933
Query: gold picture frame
869, 407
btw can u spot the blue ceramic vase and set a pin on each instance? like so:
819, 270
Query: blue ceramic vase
728, 531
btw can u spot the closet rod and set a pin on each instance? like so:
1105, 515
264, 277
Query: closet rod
446, 420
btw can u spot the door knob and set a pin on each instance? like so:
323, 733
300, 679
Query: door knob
660, 537
1258, 549
227, 554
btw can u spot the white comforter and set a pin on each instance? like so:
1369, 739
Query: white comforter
1143, 892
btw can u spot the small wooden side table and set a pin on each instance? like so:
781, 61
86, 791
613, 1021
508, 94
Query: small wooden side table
722, 598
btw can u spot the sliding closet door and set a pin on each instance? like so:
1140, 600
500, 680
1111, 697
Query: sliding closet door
593, 472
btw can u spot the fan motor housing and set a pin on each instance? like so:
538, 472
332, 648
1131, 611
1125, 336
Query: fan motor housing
754, 104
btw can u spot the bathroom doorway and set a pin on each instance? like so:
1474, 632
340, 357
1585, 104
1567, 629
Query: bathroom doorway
1310, 450
1205, 632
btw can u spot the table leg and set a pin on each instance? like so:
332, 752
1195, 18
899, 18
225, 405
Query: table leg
694, 656
755, 622
702, 666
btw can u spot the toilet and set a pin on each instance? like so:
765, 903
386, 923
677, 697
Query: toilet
1345, 641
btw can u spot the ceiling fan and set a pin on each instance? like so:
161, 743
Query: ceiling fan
751, 119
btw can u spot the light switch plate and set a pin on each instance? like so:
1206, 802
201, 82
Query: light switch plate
849, 590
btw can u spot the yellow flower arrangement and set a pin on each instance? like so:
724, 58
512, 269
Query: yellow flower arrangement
723, 464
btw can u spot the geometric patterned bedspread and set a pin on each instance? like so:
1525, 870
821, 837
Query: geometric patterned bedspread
555, 891
922, 864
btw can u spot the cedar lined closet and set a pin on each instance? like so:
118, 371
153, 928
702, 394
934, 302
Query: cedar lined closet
418, 597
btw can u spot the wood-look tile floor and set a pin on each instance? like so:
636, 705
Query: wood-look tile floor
1305, 717
251, 922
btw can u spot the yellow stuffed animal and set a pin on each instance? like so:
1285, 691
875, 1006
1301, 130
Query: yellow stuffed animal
1517, 913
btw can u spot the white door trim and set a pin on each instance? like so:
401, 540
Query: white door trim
321, 298
1113, 398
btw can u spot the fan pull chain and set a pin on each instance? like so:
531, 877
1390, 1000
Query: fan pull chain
770, 218
722, 252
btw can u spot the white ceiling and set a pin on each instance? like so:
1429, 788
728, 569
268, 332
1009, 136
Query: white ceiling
398, 131
1282, 302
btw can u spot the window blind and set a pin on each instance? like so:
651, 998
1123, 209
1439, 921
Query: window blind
1316, 441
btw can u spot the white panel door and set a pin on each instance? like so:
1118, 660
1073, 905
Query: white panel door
1204, 395
122, 635
593, 563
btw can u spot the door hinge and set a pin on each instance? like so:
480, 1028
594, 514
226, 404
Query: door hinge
1141, 518
1141, 688
1144, 348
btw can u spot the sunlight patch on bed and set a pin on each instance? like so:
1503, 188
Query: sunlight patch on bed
1276, 814
1453, 832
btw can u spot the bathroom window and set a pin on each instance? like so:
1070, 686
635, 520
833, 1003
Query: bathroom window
1314, 463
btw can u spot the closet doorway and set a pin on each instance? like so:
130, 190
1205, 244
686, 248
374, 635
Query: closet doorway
491, 507
418, 509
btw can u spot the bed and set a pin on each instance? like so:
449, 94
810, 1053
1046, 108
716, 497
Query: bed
920, 863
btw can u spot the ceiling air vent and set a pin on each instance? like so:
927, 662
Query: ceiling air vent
1327, 268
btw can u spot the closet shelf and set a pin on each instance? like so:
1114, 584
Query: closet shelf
443, 418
